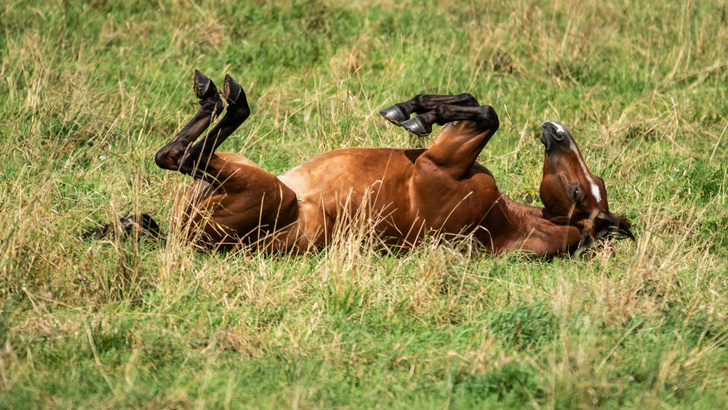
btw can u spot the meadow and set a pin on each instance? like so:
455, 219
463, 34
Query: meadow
89, 90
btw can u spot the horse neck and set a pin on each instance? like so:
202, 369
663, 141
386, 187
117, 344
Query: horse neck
530, 230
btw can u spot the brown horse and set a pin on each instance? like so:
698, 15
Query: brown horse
405, 194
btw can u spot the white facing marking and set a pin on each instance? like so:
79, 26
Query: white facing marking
559, 127
572, 146
594, 187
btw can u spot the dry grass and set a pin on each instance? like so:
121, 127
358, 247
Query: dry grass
89, 91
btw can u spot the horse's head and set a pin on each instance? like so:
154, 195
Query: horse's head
571, 194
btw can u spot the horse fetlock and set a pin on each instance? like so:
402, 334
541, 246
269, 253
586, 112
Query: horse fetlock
213, 106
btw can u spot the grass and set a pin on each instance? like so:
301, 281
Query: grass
90, 90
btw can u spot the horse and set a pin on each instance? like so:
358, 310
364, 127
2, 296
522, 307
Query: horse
405, 195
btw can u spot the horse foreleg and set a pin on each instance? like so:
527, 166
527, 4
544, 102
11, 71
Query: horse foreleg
482, 118
457, 145
422, 103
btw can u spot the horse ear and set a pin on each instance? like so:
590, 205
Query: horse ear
614, 225
624, 226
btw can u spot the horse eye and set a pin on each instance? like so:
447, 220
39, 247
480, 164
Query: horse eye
576, 194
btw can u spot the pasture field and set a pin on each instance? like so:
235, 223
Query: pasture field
89, 90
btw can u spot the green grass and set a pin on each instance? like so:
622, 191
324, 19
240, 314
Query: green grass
90, 90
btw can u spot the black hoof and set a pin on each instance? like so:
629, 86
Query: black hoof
416, 126
394, 114
231, 90
204, 87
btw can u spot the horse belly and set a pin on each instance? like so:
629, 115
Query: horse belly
351, 186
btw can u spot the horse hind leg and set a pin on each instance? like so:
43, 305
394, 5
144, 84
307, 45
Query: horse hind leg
210, 107
239, 204
422, 103
197, 159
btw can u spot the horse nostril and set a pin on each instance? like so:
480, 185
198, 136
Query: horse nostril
545, 140
552, 130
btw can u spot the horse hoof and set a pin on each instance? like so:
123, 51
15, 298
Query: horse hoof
204, 87
416, 126
231, 90
394, 114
